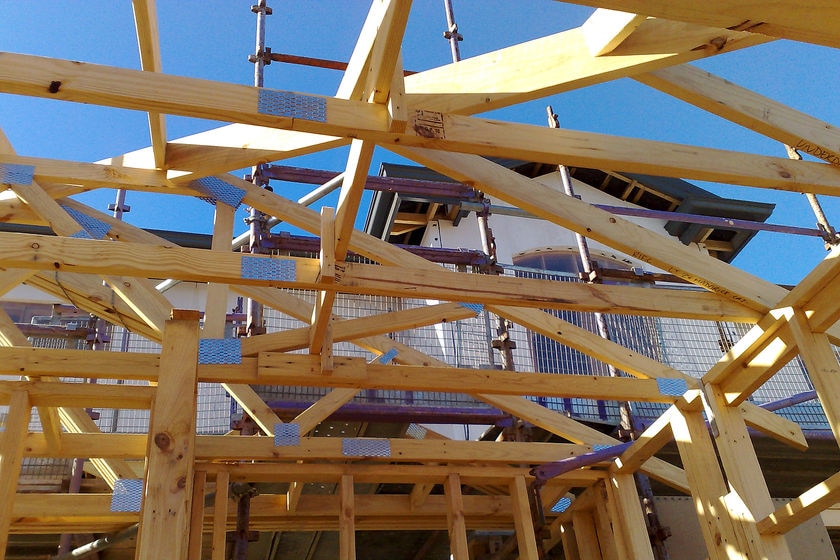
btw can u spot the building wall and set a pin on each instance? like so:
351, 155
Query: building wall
809, 540
516, 235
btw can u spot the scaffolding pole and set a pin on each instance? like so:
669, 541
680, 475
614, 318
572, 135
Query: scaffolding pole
627, 432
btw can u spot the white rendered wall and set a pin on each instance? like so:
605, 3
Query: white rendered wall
515, 235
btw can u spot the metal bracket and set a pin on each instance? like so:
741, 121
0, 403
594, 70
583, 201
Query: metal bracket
285, 104
219, 351
16, 174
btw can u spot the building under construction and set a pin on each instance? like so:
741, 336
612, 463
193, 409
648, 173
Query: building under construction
499, 341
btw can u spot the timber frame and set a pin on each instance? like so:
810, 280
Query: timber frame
426, 117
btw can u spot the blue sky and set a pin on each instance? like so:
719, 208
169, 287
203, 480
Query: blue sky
211, 39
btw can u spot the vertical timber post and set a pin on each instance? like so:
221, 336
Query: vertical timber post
743, 471
708, 487
586, 536
455, 518
220, 513
170, 455
623, 492
523, 522
12, 440
197, 515
347, 520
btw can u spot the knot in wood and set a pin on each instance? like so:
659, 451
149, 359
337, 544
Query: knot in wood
163, 441
182, 482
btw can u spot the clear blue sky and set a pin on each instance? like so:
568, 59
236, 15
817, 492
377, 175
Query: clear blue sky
211, 39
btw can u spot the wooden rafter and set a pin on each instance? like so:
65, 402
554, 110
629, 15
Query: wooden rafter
783, 19
145, 22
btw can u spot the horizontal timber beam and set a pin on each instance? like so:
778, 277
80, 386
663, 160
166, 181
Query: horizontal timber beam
553, 67
288, 369
133, 446
131, 89
80, 395
304, 370
63, 254
55, 513
385, 473
544, 294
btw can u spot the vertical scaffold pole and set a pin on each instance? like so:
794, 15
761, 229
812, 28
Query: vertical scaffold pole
451, 33
502, 342
257, 228
829, 234
257, 220
657, 532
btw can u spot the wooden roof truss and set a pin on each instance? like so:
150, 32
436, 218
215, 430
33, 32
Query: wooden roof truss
425, 117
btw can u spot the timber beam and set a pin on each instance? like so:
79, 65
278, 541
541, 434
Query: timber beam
133, 446
74, 256
785, 19
131, 89
292, 369
52, 513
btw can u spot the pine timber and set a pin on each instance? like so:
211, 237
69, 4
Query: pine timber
347, 519
526, 541
586, 535
56, 512
821, 362
455, 523
13, 440
802, 508
132, 446
285, 369
220, 514
707, 485
742, 470
214, 324
197, 515
782, 18
128, 89
352, 329
622, 489
753, 111
558, 63
309, 419
165, 515
608, 527
606, 29
67, 256
137, 293
237, 145
376, 106
146, 25
215, 307
369, 472
572, 430
67, 415
10, 335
